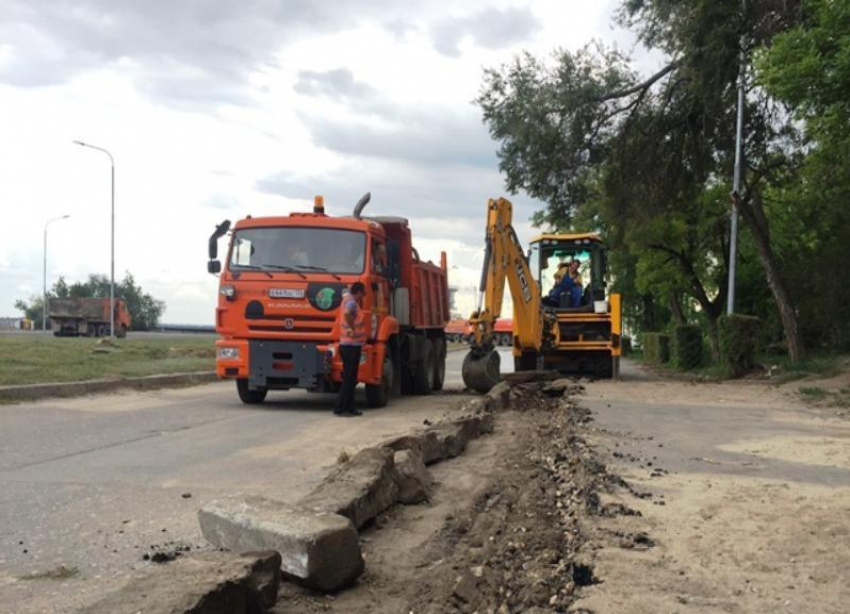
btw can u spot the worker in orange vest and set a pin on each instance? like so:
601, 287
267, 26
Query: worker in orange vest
352, 337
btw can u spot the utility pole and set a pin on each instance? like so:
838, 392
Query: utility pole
44, 277
112, 253
736, 176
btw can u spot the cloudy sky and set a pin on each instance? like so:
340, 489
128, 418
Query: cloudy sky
217, 109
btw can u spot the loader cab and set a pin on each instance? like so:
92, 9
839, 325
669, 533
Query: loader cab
550, 256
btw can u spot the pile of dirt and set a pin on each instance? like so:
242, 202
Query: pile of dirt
520, 546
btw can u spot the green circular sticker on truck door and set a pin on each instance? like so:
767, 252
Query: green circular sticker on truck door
325, 296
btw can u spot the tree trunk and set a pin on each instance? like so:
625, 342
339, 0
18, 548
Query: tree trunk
675, 303
753, 214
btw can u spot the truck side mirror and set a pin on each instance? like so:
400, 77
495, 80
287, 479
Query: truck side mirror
220, 231
214, 266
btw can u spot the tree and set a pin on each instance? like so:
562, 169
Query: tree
144, 309
651, 150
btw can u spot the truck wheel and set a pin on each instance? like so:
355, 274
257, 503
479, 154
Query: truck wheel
248, 396
378, 395
121, 333
439, 363
423, 378
102, 330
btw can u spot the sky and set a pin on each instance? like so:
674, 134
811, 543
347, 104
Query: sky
215, 109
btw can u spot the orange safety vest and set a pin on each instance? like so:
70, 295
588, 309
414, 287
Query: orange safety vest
351, 335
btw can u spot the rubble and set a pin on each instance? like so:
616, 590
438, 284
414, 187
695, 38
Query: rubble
360, 489
414, 480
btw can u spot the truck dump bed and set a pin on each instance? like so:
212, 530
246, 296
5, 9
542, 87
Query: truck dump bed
91, 309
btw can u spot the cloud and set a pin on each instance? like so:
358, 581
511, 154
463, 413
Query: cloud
491, 28
373, 126
192, 49
336, 84
415, 192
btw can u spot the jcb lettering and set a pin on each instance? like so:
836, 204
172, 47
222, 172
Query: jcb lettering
523, 282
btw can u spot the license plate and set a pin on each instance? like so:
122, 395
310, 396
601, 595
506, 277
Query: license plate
286, 293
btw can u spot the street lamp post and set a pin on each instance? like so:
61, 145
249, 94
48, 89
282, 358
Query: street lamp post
44, 278
112, 254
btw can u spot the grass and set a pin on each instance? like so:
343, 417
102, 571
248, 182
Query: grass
829, 398
820, 365
37, 359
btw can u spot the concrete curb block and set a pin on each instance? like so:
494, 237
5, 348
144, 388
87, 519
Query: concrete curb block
320, 550
33, 392
204, 583
360, 489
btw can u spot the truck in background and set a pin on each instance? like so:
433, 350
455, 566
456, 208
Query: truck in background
280, 289
459, 330
86, 317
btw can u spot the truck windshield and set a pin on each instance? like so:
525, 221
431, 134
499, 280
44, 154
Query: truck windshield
299, 249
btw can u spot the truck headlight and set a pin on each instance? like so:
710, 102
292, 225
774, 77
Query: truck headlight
228, 292
228, 353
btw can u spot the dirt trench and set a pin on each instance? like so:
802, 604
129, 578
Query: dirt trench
504, 531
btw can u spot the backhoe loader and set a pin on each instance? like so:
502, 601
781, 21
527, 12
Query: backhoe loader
576, 332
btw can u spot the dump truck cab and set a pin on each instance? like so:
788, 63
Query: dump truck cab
281, 286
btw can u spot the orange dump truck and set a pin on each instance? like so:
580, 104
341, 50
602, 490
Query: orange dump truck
280, 289
89, 317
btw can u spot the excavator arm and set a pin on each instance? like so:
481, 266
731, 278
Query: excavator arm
504, 261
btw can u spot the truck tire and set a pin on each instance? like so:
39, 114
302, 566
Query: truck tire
378, 395
248, 396
121, 333
439, 363
423, 377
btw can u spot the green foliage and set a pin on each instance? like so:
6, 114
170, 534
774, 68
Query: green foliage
808, 68
687, 346
738, 343
656, 347
144, 309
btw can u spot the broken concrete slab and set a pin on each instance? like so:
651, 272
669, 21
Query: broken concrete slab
499, 396
204, 583
360, 489
425, 442
525, 377
452, 437
322, 550
414, 479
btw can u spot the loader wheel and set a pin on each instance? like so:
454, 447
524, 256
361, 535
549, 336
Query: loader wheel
423, 378
248, 396
526, 362
439, 363
378, 395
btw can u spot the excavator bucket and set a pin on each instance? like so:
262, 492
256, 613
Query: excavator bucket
481, 371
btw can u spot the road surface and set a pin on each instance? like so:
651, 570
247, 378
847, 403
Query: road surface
95, 483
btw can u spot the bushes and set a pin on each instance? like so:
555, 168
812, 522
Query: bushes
738, 342
687, 346
656, 347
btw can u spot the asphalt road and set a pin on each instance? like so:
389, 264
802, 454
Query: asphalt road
95, 483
